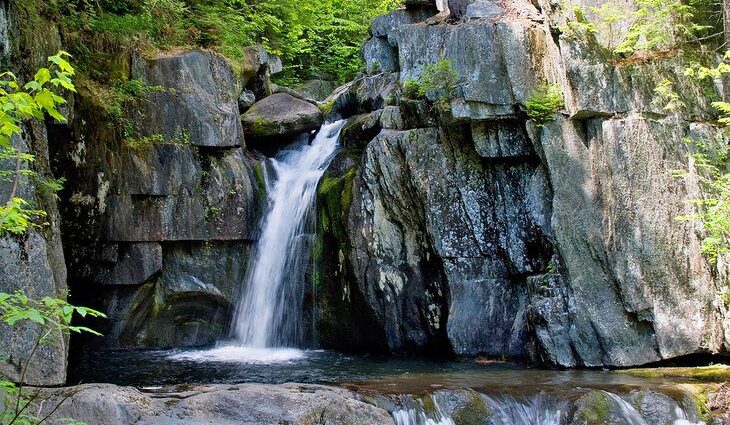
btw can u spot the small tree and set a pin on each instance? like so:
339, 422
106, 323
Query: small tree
544, 103
712, 157
52, 316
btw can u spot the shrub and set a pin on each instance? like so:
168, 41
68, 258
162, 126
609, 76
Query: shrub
441, 80
544, 103
412, 89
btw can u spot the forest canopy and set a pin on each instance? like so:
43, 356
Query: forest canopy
315, 38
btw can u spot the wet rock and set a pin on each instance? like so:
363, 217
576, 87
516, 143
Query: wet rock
597, 407
297, 404
654, 407
279, 116
363, 95
360, 130
465, 407
197, 89
188, 305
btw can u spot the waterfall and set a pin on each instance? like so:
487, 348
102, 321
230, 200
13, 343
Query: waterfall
267, 322
534, 410
269, 311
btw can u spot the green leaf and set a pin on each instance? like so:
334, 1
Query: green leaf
42, 76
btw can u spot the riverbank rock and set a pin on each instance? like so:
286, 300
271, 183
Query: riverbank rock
254, 404
279, 116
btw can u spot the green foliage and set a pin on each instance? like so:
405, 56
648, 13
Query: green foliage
711, 158
667, 97
412, 89
655, 25
578, 27
33, 100
313, 37
53, 317
441, 81
544, 103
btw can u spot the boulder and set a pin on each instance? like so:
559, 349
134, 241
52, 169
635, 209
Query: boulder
245, 404
280, 116
317, 89
360, 130
364, 95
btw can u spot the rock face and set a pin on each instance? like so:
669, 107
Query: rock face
198, 91
34, 262
158, 223
244, 404
469, 228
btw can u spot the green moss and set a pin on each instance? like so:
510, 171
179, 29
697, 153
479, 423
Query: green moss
258, 170
335, 197
596, 409
474, 413
713, 373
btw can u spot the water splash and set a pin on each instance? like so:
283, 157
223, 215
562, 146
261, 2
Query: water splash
269, 313
539, 409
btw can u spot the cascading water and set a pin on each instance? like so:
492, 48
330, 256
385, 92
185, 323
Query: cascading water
267, 324
269, 311
535, 410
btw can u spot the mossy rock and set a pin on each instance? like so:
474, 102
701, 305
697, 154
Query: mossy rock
713, 373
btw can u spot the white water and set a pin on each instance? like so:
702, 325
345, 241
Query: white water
270, 308
267, 322
537, 410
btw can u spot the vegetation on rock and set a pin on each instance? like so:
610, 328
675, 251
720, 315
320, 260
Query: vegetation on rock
654, 25
314, 38
544, 103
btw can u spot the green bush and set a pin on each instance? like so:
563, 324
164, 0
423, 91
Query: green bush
544, 103
313, 37
412, 89
441, 80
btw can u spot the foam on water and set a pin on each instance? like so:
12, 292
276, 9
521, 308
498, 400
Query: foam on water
241, 354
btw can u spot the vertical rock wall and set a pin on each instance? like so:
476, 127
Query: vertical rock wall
163, 202
34, 262
557, 243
